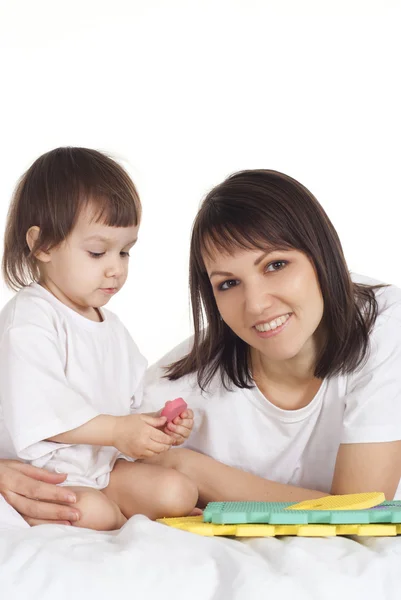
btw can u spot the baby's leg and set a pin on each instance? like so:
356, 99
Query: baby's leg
151, 490
97, 510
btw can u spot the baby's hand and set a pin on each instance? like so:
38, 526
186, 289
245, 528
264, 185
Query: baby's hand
139, 436
180, 428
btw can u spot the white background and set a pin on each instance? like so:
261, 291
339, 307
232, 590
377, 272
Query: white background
186, 92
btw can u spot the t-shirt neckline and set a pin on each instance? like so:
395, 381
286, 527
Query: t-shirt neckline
281, 414
83, 321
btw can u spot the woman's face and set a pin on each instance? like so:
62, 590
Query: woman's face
271, 300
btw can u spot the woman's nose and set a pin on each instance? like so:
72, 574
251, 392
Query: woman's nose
257, 299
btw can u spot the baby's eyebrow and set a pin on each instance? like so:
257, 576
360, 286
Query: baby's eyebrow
106, 240
97, 237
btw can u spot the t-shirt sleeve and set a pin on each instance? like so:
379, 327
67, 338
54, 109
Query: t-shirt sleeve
373, 400
36, 399
157, 387
136, 364
137, 397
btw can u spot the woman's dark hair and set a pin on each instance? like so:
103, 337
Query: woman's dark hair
51, 194
266, 209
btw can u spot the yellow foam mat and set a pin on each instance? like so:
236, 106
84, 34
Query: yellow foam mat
196, 525
345, 502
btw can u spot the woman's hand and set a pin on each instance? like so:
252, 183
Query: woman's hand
34, 494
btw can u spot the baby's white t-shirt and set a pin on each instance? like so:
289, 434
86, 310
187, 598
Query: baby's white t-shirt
58, 370
243, 429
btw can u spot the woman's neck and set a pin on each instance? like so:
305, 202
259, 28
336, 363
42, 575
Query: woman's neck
289, 384
291, 372
294, 371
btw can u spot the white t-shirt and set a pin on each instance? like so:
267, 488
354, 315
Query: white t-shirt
243, 429
58, 370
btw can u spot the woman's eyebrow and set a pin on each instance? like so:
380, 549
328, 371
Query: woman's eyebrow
228, 274
272, 250
259, 260
256, 263
224, 273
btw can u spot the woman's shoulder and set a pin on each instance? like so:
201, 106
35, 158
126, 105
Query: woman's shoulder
372, 391
158, 385
388, 297
156, 373
383, 359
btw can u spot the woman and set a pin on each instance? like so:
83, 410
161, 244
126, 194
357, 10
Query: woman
299, 364
294, 370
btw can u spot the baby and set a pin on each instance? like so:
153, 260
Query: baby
70, 373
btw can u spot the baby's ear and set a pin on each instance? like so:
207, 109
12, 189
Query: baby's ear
32, 236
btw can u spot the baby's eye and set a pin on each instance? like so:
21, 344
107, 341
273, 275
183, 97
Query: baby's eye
226, 285
124, 254
277, 265
96, 254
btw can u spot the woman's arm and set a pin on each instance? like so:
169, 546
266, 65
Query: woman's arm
218, 482
359, 468
373, 467
34, 494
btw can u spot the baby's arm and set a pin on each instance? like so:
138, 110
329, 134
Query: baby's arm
136, 436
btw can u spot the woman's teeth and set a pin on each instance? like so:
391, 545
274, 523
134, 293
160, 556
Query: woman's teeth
273, 324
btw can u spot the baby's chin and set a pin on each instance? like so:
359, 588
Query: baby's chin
101, 298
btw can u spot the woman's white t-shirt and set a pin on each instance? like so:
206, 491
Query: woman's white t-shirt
243, 429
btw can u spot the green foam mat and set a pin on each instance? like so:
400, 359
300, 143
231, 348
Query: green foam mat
280, 513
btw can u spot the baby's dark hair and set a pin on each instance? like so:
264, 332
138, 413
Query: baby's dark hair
52, 193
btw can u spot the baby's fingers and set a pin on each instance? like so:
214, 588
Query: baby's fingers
157, 448
179, 433
160, 437
186, 414
182, 424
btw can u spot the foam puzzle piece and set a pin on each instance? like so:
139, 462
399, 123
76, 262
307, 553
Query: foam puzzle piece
173, 408
280, 513
342, 502
196, 525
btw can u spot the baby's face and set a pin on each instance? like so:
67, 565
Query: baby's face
90, 265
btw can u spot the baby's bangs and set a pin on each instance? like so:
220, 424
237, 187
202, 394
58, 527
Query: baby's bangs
114, 210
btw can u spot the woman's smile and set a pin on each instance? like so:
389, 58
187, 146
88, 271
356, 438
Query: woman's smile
267, 329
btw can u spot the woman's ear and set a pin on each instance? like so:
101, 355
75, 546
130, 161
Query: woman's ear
32, 236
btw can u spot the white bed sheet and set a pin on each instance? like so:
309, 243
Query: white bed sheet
146, 560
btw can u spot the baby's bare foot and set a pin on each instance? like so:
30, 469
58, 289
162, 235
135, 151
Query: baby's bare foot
196, 512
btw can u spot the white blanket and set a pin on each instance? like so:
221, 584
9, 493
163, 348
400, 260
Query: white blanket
149, 561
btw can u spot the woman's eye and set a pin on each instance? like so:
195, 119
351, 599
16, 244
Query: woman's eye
96, 254
277, 265
226, 285
124, 254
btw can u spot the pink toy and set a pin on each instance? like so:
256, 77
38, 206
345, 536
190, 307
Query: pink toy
173, 408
